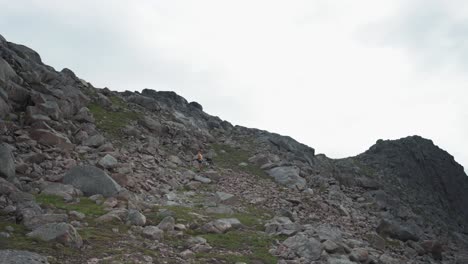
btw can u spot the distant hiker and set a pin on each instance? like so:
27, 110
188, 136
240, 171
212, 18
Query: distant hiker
200, 160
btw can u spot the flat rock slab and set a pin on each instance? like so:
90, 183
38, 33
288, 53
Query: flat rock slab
91, 180
21, 257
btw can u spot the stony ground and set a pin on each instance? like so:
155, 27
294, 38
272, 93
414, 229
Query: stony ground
89, 175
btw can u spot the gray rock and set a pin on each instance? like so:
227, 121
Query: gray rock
330, 246
281, 225
59, 232
84, 115
461, 259
153, 232
304, 246
91, 180
224, 197
202, 179
7, 169
39, 220
21, 257
396, 231
108, 161
167, 224
387, 259
151, 124
339, 260
77, 215
136, 218
328, 232
376, 241
94, 141
220, 226
288, 176
65, 191
359, 255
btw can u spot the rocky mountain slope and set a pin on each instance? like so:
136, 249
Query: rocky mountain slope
91, 175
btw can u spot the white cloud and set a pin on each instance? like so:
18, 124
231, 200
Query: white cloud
336, 75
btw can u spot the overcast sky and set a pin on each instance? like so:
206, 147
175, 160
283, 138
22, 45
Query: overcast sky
335, 75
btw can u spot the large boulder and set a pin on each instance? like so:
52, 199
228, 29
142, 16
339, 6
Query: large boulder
288, 176
306, 247
51, 138
9, 256
91, 180
7, 169
395, 230
151, 124
59, 232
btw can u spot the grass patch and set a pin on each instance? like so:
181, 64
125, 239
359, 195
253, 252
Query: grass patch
255, 245
85, 206
113, 121
229, 157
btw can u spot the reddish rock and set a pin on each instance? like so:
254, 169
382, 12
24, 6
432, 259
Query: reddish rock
51, 138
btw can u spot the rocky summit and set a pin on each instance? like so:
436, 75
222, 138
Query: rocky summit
91, 175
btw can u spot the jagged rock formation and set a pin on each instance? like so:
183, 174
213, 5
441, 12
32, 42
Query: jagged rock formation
112, 173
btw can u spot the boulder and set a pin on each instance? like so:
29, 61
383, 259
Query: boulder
339, 260
51, 138
59, 232
330, 246
94, 141
136, 218
84, 115
32, 223
281, 225
9, 256
396, 230
153, 232
220, 226
288, 176
224, 197
359, 255
108, 162
7, 169
151, 124
202, 179
91, 180
67, 192
167, 224
306, 247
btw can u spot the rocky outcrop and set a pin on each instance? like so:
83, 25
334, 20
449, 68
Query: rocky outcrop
422, 175
365, 209
91, 180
